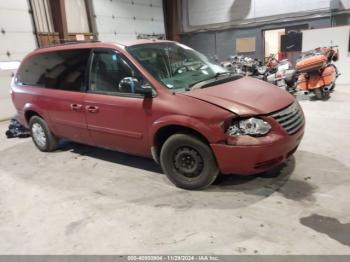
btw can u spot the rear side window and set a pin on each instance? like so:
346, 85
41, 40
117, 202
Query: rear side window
64, 70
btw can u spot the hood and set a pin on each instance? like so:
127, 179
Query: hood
245, 96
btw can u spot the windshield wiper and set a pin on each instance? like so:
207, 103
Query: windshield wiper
220, 74
214, 78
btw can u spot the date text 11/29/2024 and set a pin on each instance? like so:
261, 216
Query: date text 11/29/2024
173, 258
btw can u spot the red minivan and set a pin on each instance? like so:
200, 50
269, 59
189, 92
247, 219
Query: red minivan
157, 99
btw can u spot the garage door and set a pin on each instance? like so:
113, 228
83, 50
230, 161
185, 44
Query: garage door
125, 20
16, 40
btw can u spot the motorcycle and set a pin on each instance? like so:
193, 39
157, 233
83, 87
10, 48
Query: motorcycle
254, 68
318, 74
245, 66
234, 64
281, 74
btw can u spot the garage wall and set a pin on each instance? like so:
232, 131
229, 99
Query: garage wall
16, 36
125, 19
16, 40
339, 36
206, 14
223, 43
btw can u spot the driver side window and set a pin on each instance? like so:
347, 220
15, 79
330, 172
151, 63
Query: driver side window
107, 70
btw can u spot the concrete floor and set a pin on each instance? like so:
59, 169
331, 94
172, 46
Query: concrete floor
83, 200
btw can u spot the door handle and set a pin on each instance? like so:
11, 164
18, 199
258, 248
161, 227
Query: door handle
76, 107
92, 109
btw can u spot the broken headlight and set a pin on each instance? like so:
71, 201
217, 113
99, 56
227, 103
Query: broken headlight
251, 126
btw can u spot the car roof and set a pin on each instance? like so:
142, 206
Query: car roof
97, 44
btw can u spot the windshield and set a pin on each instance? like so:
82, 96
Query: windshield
175, 65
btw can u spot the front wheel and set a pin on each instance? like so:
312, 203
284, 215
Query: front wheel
188, 162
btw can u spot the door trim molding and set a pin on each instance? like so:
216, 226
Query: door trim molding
112, 131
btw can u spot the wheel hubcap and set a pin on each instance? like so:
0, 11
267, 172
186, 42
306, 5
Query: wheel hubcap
39, 134
188, 162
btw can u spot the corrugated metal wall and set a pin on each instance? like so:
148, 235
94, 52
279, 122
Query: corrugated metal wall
125, 19
206, 14
223, 43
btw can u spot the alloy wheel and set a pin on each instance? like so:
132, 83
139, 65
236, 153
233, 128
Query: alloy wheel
39, 135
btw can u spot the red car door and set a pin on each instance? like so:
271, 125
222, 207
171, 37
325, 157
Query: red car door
116, 117
62, 98
66, 111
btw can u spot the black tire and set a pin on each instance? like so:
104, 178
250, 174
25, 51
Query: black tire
188, 162
332, 87
51, 142
326, 96
318, 93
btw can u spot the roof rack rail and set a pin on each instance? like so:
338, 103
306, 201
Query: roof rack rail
63, 42
72, 41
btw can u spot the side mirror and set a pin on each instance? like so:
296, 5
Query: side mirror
144, 90
132, 85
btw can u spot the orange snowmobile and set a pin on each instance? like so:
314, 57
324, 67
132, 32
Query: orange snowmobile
317, 72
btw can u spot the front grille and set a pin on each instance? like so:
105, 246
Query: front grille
290, 118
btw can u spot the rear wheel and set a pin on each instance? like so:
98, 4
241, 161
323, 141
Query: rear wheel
188, 162
318, 93
336, 76
42, 137
332, 87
